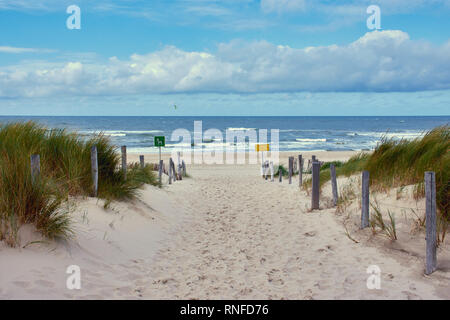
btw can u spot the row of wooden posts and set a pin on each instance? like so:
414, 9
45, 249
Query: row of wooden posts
314, 165
173, 175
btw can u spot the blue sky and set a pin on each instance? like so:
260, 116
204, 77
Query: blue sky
229, 57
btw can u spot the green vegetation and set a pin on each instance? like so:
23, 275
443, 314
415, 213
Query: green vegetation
65, 171
396, 163
283, 170
387, 229
327, 165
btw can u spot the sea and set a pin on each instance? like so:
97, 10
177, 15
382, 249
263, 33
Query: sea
295, 133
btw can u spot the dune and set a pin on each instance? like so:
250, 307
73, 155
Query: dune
225, 233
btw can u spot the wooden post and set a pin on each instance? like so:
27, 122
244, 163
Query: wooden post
430, 194
183, 165
266, 170
291, 168
271, 171
300, 170
334, 187
280, 174
170, 171
365, 200
124, 161
179, 166
142, 161
174, 173
315, 185
262, 164
94, 170
160, 170
35, 167
313, 159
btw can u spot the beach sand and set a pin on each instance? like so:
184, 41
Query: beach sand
225, 233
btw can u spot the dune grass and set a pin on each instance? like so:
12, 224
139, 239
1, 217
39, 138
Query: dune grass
65, 171
397, 163
281, 169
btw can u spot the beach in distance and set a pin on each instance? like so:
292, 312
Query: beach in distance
350, 133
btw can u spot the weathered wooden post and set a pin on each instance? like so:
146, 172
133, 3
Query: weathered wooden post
334, 184
124, 161
313, 159
179, 166
183, 165
280, 173
174, 173
291, 168
271, 171
365, 200
94, 170
160, 170
300, 170
142, 161
266, 170
35, 167
315, 185
431, 236
170, 171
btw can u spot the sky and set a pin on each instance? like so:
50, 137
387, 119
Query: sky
229, 57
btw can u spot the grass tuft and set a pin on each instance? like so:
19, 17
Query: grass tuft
387, 229
397, 163
65, 171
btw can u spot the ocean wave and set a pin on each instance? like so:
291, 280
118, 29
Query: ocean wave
121, 133
311, 140
115, 134
240, 129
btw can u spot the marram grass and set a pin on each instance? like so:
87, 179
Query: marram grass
397, 163
65, 171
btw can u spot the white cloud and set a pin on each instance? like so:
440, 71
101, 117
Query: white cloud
282, 5
378, 61
26, 5
7, 49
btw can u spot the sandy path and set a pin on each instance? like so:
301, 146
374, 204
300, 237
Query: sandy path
222, 234
244, 242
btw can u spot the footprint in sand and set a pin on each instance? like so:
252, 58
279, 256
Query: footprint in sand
274, 277
411, 296
44, 283
22, 284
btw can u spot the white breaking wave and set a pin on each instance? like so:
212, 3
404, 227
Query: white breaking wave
121, 133
240, 129
311, 140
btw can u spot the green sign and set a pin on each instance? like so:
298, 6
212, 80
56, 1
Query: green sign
160, 141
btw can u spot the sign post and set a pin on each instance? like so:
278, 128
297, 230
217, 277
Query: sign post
159, 141
262, 147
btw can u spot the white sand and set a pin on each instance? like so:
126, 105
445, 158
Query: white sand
225, 233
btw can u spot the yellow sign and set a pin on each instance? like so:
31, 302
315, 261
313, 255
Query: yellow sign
262, 147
